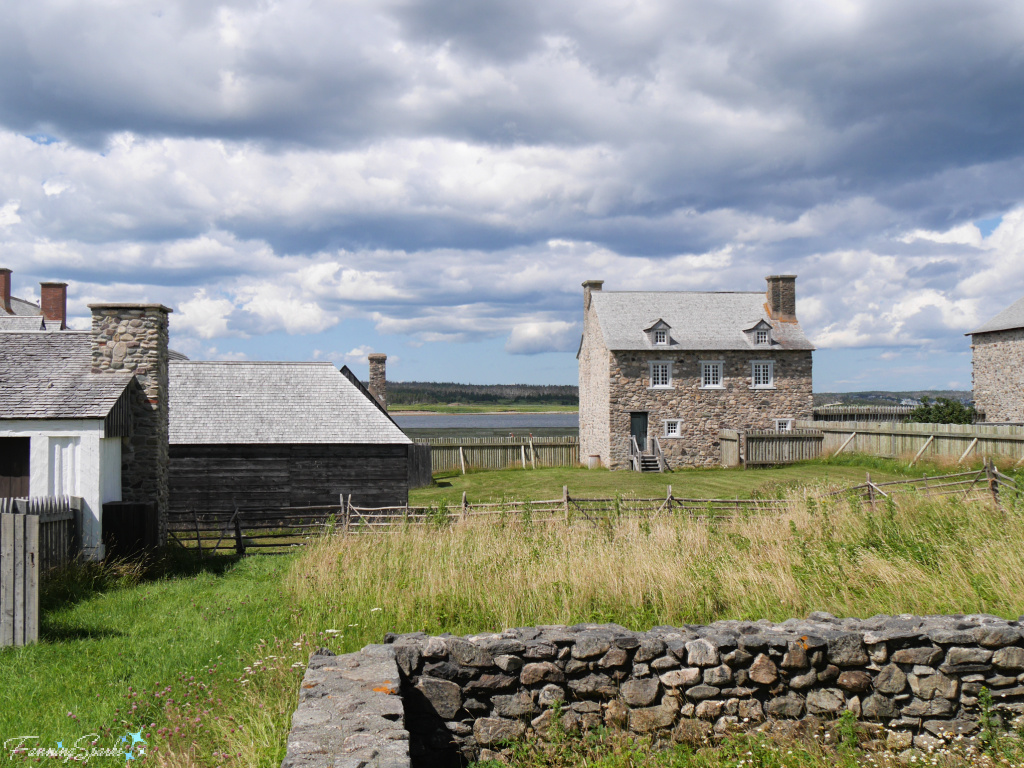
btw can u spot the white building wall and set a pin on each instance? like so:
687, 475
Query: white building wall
72, 457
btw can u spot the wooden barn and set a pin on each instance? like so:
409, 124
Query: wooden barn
266, 435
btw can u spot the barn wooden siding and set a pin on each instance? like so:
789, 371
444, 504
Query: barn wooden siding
209, 478
458, 453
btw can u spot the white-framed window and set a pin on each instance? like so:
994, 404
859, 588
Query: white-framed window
711, 374
661, 337
673, 427
762, 374
661, 374
783, 425
761, 337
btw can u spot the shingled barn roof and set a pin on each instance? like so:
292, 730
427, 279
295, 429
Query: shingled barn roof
698, 320
46, 375
266, 402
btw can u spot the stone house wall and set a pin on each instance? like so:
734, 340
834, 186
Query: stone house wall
134, 337
595, 385
703, 412
920, 677
998, 361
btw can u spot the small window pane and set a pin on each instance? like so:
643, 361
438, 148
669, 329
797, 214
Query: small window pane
660, 337
762, 337
761, 374
659, 375
671, 428
711, 375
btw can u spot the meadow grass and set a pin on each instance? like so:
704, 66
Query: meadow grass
206, 656
715, 482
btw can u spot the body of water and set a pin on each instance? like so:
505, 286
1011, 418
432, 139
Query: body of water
487, 424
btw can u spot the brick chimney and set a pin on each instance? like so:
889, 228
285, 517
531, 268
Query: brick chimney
781, 294
378, 378
589, 286
5, 291
133, 338
54, 303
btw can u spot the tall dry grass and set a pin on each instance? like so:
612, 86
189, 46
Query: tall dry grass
913, 555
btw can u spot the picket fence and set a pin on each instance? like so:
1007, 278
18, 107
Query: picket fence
449, 454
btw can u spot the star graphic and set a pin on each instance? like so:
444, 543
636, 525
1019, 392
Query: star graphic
129, 756
60, 745
136, 737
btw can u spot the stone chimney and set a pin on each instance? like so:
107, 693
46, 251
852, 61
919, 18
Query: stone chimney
782, 298
589, 286
133, 338
5, 291
54, 303
378, 378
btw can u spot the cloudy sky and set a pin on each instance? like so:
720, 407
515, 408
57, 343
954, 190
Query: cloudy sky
315, 179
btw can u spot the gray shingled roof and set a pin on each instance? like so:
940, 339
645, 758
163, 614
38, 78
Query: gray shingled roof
698, 320
23, 308
46, 375
229, 402
1009, 318
21, 323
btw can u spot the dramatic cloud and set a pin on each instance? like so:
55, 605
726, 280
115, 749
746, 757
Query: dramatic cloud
436, 175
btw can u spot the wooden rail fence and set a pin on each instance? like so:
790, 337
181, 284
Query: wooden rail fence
36, 535
279, 530
765, 447
464, 453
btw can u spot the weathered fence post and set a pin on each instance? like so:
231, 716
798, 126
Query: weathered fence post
348, 512
465, 508
462, 459
522, 451
533, 455
871, 492
199, 539
993, 485
239, 544
19, 579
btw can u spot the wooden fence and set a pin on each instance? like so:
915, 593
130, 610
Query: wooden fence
862, 412
765, 447
465, 453
36, 535
917, 441
279, 530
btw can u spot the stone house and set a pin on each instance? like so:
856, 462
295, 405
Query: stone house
997, 352
671, 369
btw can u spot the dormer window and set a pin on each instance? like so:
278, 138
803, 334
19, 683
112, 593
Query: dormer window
761, 337
658, 334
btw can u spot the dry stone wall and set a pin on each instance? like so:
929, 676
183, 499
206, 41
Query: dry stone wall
999, 374
919, 677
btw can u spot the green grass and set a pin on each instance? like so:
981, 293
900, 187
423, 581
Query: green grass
546, 483
489, 408
203, 656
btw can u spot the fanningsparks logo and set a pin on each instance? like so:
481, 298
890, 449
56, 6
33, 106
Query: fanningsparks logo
131, 747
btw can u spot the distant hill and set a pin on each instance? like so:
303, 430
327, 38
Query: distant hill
429, 392
879, 397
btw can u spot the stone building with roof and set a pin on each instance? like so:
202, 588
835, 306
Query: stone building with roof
670, 369
997, 354
268, 435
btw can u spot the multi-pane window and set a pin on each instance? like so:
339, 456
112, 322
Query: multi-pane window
783, 425
761, 374
671, 427
711, 375
661, 374
661, 337
762, 337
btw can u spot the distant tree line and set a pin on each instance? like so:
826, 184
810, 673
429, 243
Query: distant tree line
942, 410
424, 392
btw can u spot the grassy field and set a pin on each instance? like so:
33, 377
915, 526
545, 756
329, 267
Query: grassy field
489, 408
546, 483
205, 658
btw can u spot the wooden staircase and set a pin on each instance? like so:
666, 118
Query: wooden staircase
649, 463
